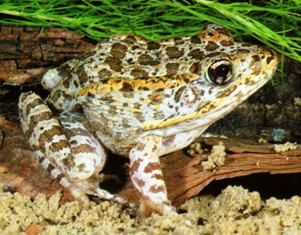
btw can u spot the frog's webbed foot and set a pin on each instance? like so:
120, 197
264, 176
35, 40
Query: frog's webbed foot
147, 177
64, 147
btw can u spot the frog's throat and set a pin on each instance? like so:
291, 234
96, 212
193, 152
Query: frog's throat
124, 84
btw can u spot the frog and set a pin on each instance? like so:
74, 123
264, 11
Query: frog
140, 99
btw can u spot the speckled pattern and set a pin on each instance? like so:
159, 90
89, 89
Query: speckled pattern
139, 99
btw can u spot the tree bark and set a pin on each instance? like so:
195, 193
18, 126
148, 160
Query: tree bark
26, 52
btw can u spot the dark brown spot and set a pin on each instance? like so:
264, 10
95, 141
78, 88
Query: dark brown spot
151, 167
243, 51
256, 58
155, 147
156, 98
130, 39
195, 68
195, 39
159, 115
63, 70
172, 68
140, 146
226, 43
59, 177
223, 31
157, 176
134, 166
269, 59
157, 189
135, 47
174, 52
139, 73
114, 63
178, 93
57, 146
50, 168
37, 101
211, 46
83, 148
153, 45
82, 75
126, 87
73, 142
69, 162
139, 182
118, 50
178, 40
145, 88
35, 119
146, 59
104, 74
196, 54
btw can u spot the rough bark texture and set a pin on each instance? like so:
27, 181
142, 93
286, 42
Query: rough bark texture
25, 52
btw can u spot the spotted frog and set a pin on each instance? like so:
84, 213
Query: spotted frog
139, 99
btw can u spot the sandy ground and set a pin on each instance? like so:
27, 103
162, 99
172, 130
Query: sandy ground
234, 211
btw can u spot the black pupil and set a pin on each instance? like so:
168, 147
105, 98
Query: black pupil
219, 74
222, 70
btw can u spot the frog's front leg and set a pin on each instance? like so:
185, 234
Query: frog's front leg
64, 147
147, 177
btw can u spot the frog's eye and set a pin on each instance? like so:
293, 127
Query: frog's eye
220, 72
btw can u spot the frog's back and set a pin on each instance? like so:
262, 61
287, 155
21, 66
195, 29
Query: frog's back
131, 57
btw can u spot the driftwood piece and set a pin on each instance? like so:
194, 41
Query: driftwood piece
184, 175
26, 52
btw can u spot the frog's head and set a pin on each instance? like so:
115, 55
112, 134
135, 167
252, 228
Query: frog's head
228, 73
231, 72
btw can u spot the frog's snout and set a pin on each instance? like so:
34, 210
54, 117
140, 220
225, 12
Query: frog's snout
271, 54
263, 60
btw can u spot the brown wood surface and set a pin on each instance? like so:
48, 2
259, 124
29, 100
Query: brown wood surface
183, 174
25, 52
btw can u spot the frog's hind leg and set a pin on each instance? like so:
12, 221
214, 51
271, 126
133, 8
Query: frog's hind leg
65, 148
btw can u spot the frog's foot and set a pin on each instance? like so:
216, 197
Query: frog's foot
65, 148
147, 177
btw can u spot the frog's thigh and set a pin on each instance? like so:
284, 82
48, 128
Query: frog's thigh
79, 157
146, 174
70, 153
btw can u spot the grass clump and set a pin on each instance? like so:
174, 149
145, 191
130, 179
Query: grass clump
275, 23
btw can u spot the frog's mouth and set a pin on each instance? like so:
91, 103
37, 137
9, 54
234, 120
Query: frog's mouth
226, 99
